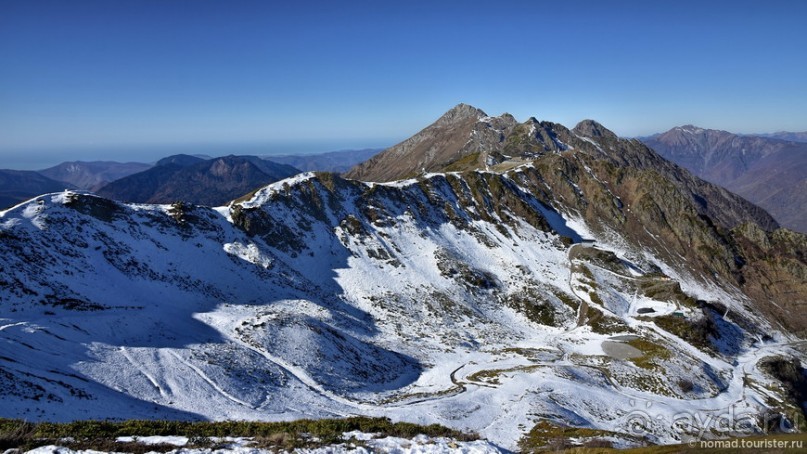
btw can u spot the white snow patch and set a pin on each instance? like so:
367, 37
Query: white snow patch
265, 194
156, 440
249, 252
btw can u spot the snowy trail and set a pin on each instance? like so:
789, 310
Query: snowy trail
302, 376
458, 388
11, 325
733, 393
655, 406
143, 371
210, 382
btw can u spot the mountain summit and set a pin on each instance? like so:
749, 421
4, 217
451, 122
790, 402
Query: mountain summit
590, 128
463, 138
442, 142
459, 114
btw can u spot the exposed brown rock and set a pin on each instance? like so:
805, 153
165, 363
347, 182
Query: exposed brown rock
622, 185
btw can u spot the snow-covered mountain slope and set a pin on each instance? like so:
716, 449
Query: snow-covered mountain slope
449, 299
472, 299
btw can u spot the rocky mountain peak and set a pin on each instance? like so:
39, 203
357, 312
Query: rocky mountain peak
446, 140
590, 128
460, 113
504, 122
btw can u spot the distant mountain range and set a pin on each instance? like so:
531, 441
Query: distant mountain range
768, 171
199, 181
334, 161
92, 175
17, 186
784, 135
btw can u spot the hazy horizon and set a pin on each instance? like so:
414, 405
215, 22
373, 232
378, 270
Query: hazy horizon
39, 158
43, 158
344, 74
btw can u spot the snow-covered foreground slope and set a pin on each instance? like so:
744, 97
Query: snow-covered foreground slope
442, 300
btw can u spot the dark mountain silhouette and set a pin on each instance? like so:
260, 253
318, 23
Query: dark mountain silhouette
181, 160
198, 181
20, 185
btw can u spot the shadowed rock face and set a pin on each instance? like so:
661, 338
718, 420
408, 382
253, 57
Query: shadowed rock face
769, 172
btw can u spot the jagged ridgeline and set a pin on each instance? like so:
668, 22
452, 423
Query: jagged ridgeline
449, 279
622, 186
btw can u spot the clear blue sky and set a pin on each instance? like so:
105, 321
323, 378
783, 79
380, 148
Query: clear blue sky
304, 76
